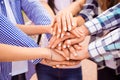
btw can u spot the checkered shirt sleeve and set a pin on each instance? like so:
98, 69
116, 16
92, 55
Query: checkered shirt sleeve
96, 48
113, 46
90, 10
108, 20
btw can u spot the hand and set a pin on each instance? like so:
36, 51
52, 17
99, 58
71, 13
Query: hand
57, 64
54, 41
64, 22
73, 41
56, 57
83, 52
81, 31
53, 55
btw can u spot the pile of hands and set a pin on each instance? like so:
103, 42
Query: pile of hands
69, 42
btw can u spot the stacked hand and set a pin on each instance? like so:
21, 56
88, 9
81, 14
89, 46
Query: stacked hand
67, 37
73, 45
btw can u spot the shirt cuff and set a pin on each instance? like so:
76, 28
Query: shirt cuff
94, 26
85, 17
96, 48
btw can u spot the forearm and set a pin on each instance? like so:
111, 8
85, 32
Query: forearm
36, 12
45, 4
14, 53
89, 10
97, 48
34, 29
108, 20
76, 6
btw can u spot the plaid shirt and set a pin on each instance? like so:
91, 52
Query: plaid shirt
109, 20
113, 46
90, 10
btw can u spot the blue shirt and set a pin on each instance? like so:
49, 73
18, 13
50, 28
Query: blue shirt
10, 34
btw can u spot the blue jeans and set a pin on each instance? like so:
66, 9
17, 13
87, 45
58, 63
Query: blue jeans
48, 73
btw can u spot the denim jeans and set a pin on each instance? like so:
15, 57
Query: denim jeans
48, 73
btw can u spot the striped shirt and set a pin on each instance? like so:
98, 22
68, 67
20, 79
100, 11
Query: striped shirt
10, 34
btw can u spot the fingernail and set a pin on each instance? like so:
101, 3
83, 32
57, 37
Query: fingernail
58, 36
62, 35
59, 44
59, 31
75, 54
67, 58
57, 65
68, 46
53, 66
52, 47
73, 24
64, 46
65, 29
69, 27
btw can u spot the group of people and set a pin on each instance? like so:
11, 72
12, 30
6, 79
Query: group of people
67, 27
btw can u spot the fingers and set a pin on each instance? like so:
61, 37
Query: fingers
72, 51
61, 53
73, 41
59, 27
56, 41
77, 47
56, 55
66, 53
69, 21
74, 23
52, 41
68, 64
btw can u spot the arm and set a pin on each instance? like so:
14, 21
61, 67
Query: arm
15, 53
45, 4
75, 7
64, 17
107, 20
36, 12
97, 48
34, 29
90, 10
113, 46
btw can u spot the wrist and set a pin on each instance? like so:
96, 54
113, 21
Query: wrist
46, 53
85, 30
80, 20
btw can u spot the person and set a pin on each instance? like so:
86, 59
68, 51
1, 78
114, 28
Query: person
70, 72
13, 11
20, 52
100, 49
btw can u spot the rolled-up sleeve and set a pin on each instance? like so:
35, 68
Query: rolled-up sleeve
90, 10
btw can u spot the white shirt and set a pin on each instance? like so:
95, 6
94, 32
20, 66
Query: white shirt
18, 67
